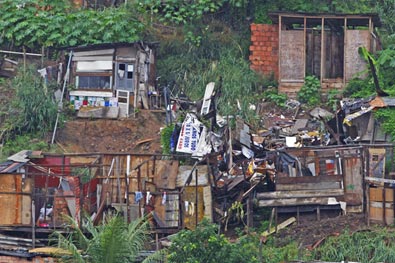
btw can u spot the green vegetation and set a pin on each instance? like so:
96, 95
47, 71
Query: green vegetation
363, 246
333, 99
38, 23
310, 92
386, 117
19, 143
200, 42
272, 94
113, 241
30, 115
359, 88
165, 137
34, 107
205, 244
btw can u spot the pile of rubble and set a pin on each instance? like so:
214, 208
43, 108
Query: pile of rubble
245, 160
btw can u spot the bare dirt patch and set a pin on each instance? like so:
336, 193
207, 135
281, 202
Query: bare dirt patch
310, 232
131, 135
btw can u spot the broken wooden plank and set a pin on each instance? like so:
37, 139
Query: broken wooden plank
144, 141
50, 251
284, 224
94, 52
308, 186
298, 201
301, 193
250, 190
207, 98
309, 179
379, 180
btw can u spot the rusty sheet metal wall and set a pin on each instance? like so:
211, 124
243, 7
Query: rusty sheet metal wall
146, 174
353, 61
336, 169
353, 179
190, 208
16, 208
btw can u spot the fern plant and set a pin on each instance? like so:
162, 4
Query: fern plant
113, 241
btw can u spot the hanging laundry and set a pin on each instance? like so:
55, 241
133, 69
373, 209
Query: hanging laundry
148, 197
186, 203
138, 197
164, 196
192, 209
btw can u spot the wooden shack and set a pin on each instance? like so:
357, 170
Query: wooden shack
297, 45
98, 185
111, 77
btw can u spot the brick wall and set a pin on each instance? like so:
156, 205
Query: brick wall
264, 49
37, 259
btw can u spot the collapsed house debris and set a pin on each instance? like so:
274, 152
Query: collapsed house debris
298, 161
295, 162
233, 170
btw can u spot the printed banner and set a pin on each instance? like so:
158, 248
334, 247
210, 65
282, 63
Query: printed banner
189, 135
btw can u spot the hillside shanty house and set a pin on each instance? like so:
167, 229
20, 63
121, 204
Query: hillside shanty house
297, 45
114, 75
39, 189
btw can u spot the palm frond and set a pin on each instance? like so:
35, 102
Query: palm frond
157, 256
67, 244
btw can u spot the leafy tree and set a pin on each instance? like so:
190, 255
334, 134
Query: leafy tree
37, 23
204, 244
113, 241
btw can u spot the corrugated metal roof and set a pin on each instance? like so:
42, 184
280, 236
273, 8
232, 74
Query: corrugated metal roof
10, 167
20, 157
381, 102
348, 118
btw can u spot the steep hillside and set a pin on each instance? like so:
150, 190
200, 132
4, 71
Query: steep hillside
5, 99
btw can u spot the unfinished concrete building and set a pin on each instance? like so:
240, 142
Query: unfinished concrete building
297, 45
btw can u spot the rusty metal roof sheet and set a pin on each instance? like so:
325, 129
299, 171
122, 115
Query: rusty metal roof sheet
381, 102
10, 167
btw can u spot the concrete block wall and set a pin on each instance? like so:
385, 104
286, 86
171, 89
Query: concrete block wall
264, 49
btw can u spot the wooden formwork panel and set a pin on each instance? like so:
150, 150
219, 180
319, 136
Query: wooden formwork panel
292, 54
354, 63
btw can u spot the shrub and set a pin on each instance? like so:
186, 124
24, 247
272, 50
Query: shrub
359, 88
204, 244
310, 92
